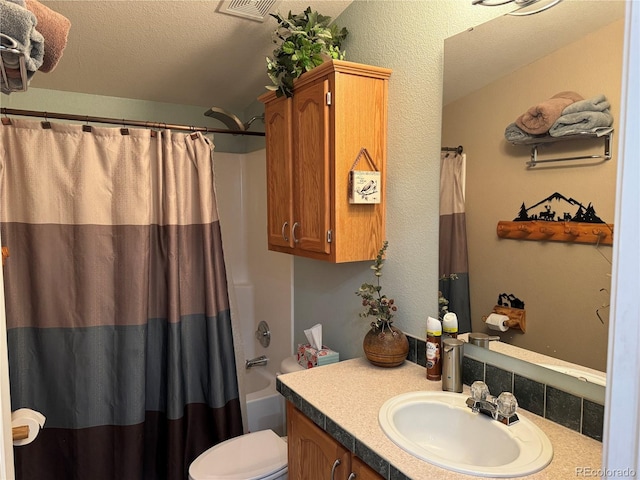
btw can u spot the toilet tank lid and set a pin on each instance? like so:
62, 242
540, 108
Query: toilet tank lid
290, 364
246, 457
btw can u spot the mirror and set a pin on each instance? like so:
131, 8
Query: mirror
493, 74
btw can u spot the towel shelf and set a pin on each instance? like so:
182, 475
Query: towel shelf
537, 141
8, 45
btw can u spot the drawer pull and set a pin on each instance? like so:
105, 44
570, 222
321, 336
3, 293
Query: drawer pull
333, 469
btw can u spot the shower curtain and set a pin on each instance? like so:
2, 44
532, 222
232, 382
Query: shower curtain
119, 328
454, 265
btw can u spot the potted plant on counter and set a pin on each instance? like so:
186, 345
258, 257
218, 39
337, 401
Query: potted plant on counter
304, 41
384, 345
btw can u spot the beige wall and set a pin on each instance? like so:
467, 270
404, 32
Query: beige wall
560, 283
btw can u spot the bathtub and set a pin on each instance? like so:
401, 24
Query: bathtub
265, 406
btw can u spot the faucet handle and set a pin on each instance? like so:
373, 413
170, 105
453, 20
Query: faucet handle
479, 390
506, 404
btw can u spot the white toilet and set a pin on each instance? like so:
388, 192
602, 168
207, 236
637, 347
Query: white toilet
258, 455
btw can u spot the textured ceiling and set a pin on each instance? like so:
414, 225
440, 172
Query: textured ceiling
179, 51
481, 55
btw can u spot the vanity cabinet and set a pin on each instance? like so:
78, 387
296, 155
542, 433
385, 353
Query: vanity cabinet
315, 455
312, 142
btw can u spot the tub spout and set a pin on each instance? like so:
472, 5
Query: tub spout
261, 360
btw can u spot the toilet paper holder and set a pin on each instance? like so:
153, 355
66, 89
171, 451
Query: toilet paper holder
517, 317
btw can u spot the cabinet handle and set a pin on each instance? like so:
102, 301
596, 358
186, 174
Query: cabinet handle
333, 469
284, 237
293, 232
352, 476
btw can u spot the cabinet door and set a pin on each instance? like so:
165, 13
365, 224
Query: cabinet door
313, 454
363, 471
279, 172
311, 176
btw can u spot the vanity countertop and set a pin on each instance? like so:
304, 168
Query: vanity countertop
350, 393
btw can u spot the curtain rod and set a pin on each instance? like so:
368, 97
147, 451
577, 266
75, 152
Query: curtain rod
122, 122
457, 149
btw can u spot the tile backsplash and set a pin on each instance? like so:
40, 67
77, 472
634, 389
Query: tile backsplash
572, 411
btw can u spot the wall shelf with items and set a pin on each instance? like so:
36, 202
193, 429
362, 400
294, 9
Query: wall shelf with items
535, 142
575, 232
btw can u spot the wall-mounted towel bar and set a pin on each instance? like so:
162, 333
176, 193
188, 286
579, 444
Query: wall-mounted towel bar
536, 142
17, 82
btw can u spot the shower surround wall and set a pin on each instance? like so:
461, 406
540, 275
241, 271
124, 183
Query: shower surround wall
262, 280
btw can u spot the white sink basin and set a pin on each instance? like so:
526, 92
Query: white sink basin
439, 428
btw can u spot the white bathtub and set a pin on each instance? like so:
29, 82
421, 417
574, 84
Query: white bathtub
265, 406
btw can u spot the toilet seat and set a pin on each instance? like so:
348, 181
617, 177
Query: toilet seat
259, 455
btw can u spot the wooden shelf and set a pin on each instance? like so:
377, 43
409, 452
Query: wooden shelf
574, 232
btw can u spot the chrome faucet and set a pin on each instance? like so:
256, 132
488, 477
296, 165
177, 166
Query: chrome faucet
503, 408
261, 360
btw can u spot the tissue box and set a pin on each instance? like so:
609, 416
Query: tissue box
309, 357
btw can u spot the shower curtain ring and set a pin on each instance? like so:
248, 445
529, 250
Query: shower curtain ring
5, 120
124, 130
86, 127
46, 125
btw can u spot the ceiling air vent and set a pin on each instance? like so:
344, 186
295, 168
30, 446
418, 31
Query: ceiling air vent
257, 10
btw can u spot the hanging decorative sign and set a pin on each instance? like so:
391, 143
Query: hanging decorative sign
364, 185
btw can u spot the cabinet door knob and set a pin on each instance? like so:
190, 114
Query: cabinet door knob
293, 232
333, 469
284, 236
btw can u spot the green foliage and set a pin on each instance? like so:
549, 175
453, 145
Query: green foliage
304, 42
376, 304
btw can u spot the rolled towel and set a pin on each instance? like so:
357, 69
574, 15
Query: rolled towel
55, 30
515, 134
581, 122
539, 118
595, 104
20, 24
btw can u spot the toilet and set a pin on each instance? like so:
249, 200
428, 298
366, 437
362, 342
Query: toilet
229, 460
258, 455
290, 364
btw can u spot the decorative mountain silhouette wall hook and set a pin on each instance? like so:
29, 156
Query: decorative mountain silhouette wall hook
560, 219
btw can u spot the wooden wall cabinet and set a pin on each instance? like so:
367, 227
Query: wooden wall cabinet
315, 455
312, 141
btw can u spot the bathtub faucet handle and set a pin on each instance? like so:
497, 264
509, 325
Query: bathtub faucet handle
261, 360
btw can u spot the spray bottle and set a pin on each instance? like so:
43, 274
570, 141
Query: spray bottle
450, 325
434, 349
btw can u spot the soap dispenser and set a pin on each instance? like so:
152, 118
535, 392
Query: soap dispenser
452, 353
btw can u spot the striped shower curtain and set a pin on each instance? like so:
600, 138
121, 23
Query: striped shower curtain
119, 329
454, 265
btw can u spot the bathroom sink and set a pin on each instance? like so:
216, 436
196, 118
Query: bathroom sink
440, 429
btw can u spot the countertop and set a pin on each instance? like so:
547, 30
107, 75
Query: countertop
350, 393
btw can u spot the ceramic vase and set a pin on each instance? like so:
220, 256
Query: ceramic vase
386, 346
